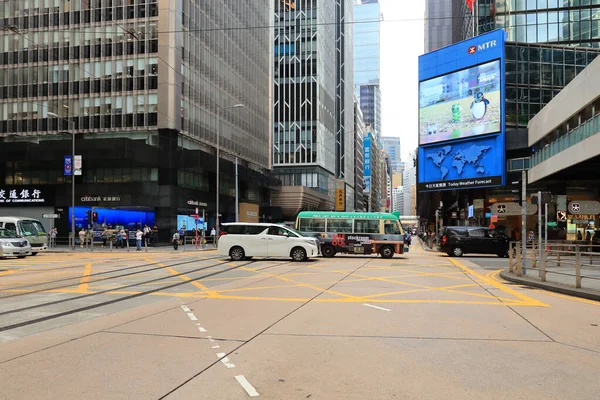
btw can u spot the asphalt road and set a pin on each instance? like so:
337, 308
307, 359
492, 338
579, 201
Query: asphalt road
195, 326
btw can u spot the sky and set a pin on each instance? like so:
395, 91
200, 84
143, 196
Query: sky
402, 42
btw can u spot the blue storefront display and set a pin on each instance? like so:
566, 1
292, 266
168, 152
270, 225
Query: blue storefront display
461, 115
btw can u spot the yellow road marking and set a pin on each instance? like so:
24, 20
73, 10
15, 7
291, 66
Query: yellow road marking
84, 282
525, 299
173, 271
10, 271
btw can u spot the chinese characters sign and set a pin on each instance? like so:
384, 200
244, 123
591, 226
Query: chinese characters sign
23, 195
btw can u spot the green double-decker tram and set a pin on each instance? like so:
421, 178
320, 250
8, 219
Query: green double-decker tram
354, 232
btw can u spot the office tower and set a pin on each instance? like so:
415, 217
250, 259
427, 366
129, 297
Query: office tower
313, 132
359, 132
367, 49
147, 91
391, 145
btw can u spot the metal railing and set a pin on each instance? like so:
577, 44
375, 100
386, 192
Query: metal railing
580, 133
560, 262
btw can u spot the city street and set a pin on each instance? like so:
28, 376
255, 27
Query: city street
192, 325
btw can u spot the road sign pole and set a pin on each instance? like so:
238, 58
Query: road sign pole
524, 219
540, 228
546, 226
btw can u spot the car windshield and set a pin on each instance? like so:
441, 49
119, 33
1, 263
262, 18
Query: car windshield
30, 227
295, 231
7, 234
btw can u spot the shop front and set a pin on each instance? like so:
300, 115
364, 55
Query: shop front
28, 201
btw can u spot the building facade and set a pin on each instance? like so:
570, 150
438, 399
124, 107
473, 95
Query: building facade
313, 130
359, 183
146, 110
367, 61
391, 145
438, 24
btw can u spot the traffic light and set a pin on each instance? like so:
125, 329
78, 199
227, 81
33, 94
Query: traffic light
95, 216
89, 215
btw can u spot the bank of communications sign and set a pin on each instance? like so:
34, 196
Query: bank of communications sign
461, 115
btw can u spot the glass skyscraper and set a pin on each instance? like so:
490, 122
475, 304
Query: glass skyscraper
313, 130
367, 61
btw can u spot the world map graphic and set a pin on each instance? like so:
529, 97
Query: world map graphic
452, 161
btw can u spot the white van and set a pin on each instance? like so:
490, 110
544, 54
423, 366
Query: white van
29, 228
242, 241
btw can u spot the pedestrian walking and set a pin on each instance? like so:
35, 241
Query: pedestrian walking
138, 240
104, 237
147, 233
213, 236
53, 234
82, 235
119, 239
125, 241
176, 240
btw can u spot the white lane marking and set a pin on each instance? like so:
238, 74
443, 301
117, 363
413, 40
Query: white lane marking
247, 386
379, 308
216, 346
201, 329
185, 308
225, 360
210, 338
192, 316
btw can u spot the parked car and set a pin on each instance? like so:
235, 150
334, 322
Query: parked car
246, 240
12, 245
29, 228
459, 240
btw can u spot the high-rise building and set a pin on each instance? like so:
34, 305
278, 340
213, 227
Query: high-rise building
313, 132
359, 184
367, 53
391, 145
148, 91
398, 199
438, 24
409, 181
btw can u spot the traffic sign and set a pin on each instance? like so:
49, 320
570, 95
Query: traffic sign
561, 216
50, 216
195, 216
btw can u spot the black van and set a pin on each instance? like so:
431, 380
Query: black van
459, 240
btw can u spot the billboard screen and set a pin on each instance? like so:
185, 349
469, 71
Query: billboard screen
461, 115
367, 163
460, 104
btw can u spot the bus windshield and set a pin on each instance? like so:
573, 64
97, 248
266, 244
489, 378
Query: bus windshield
30, 227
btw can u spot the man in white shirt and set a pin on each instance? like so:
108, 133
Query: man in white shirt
138, 240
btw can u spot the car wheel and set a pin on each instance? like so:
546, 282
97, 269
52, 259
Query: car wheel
457, 252
34, 254
387, 252
21, 256
237, 253
299, 254
328, 251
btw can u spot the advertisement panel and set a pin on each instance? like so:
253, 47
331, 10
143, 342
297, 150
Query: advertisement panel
461, 115
460, 104
248, 212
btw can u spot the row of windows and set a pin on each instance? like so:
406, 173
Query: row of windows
556, 75
144, 30
548, 55
364, 226
82, 123
75, 88
80, 107
76, 53
46, 19
102, 175
76, 71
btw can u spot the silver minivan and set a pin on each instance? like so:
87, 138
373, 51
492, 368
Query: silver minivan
13, 246
28, 228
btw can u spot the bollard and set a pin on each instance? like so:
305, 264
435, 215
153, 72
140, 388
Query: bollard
110, 245
127, 240
92, 243
543, 266
534, 252
519, 263
146, 244
558, 258
577, 267
510, 258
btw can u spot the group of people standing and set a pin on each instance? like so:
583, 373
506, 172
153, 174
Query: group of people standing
179, 237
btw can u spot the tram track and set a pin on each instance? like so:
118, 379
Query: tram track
77, 278
120, 299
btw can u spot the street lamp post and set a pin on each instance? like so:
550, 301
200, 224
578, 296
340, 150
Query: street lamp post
72, 131
218, 164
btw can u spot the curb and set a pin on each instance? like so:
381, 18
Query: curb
552, 287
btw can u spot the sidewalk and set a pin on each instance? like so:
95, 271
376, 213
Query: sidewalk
561, 281
150, 249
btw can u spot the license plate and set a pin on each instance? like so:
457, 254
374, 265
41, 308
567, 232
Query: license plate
22, 253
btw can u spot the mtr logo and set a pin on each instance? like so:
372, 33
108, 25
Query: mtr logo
481, 47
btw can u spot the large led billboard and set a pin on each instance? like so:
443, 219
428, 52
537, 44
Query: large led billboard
461, 115
460, 104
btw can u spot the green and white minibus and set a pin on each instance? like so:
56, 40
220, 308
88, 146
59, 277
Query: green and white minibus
354, 232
